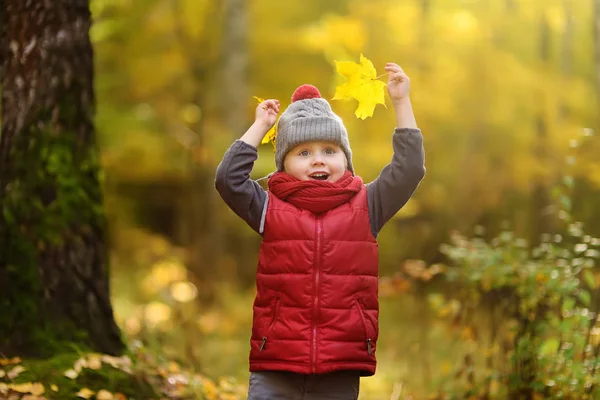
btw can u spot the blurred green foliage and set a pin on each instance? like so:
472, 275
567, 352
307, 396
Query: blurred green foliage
502, 90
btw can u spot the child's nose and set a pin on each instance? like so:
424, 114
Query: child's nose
318, 159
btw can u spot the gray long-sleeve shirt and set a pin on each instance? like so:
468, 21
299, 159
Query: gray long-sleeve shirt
387, 194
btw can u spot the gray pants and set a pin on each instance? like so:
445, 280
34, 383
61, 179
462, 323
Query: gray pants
280, 385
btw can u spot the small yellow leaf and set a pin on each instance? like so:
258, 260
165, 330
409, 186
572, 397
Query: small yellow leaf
21, 388
3, 388
271, 135
104, 395
72, 374
54, 388
79, 364
15, 372
2, 373
209, 389
112, 361
8, 361
85, 393
174, 367
94, 362
362, 85
37, 389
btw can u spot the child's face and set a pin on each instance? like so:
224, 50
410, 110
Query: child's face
316, 160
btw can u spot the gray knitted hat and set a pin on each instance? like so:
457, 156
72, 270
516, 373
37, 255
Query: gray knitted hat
309, 117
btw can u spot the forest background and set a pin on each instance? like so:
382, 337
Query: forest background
501, 89
506, 93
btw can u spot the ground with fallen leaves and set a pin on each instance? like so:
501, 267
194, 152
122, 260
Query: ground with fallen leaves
136, 375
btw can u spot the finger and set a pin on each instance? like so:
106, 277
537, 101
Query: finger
393, 67
398, 76
271, 104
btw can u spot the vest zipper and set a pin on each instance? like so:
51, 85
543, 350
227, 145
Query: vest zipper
317, 278
364, 322
271, 325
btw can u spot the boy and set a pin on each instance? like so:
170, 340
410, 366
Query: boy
315, 324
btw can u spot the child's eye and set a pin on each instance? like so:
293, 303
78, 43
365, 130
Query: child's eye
329, 151
304, 153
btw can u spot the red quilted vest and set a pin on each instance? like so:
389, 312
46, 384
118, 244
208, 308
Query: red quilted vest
316, 308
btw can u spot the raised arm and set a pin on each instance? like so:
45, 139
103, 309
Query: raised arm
242, 194
400, 178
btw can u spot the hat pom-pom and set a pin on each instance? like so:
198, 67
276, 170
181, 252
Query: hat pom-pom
306, 92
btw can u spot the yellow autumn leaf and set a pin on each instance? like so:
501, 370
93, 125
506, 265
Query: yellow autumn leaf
80, 364
15, 372
2, 373
362, 86
209, 389
271, 135
71, 374
21, 387
85, 393
8, 361
94, 362
104, 395
54, 388
35, 389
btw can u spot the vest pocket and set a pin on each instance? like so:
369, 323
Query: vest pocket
363, 318
271, 324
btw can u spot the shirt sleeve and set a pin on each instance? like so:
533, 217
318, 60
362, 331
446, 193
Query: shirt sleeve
243, 195
398, 180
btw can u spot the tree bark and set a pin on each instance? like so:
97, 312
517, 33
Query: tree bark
235, 55
597, 45
566, 53
541, 218
54, 288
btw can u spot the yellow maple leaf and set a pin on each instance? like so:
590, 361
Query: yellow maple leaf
271, 136
362, 85
71, 374
15, 372
8, 361
104, 395
21, 387
85, 393
94, 362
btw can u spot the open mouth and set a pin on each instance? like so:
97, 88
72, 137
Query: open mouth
319, 176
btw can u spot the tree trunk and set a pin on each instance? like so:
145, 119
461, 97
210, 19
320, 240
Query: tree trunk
235, 55
567, 53
200, 212
423, 36
597, 45
541, 218
54, 287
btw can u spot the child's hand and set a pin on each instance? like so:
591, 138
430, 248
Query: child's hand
266, 113
398, 82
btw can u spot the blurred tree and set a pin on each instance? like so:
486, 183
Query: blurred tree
201, 68
596, 24
540, 213
235, 92
566, 59
54, 288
